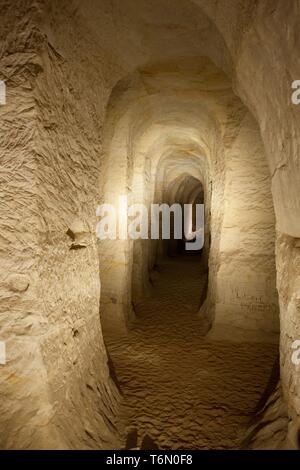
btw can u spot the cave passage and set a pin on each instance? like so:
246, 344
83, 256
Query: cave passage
180, 389
113, 104
192, 334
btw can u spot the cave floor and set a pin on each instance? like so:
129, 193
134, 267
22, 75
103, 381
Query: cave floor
179, 389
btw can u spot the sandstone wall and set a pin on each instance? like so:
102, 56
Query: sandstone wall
246, 296
61, 61
263, 40
56, 376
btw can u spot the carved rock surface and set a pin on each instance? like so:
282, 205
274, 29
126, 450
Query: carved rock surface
123, 98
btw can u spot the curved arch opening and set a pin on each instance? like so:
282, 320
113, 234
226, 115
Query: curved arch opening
191, 141
135, 103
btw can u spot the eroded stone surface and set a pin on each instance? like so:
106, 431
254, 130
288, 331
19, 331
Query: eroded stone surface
94, 94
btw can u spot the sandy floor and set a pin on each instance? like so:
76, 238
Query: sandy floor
180, 389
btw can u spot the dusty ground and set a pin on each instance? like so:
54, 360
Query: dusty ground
180, 389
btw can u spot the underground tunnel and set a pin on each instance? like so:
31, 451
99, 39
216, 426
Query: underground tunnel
115, 334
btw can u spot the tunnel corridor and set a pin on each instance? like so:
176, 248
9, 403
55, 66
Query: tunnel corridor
181, 389
114, 113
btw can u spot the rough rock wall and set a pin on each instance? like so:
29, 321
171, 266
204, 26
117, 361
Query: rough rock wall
263, 39
288, 269
257, 39
268, 429
23, 379
57, 375
246, 296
